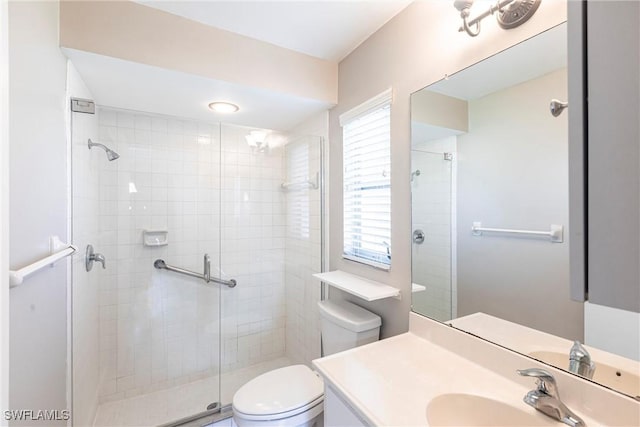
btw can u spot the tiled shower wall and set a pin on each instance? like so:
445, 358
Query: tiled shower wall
303, 248
159, 329
253, 247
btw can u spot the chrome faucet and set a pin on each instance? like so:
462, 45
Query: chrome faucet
546, 398
580, 361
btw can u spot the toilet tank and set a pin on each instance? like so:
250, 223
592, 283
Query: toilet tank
345, 325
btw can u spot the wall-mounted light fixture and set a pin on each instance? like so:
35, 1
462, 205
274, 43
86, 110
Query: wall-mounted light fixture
257, 140
510, 14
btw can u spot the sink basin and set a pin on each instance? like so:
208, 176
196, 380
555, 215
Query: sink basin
471, 410
607, 375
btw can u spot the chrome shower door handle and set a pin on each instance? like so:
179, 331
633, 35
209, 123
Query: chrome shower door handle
207, 268
91, 257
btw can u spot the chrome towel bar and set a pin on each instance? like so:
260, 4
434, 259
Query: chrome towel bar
312, 184
206, 276
555, 233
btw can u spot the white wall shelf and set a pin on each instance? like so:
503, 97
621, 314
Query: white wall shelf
366, 289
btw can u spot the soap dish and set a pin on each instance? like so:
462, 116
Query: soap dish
155, 237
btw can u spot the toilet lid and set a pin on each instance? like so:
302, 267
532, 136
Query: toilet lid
279, 391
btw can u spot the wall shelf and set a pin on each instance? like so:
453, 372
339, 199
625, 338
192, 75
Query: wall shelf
368, 290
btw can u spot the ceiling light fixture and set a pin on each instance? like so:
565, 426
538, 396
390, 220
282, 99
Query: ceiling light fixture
223, 107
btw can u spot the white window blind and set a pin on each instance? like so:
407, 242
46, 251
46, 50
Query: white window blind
297, 156
367, 182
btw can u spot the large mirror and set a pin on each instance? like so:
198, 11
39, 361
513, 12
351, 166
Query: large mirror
490, 209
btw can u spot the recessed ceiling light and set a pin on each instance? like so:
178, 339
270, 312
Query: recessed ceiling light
223, 107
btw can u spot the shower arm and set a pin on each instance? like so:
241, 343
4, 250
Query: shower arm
97, 144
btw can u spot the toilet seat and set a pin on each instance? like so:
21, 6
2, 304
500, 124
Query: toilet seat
315, 407
279, 394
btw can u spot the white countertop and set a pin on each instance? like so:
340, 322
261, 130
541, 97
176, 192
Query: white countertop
529, 341
391, 382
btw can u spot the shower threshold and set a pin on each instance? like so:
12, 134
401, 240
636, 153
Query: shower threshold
183, 405
213, 414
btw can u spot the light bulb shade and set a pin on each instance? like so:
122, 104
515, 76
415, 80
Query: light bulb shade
259, 136
462, 4
257, 140
223, 107
251, 141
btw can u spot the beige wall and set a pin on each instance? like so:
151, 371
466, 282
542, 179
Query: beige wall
138, 33
4, 206
416, 48
436, 109
512, 173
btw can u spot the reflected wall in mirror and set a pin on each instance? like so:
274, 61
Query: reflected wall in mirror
489, 182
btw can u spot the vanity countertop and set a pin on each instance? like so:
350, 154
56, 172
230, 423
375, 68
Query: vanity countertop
391, 382
612, 370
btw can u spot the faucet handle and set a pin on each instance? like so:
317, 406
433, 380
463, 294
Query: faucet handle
546, 382
580, 361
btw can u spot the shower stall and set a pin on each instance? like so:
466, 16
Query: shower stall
151, 344
433, 193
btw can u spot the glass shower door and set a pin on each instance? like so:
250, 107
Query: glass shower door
271, 244
156, 332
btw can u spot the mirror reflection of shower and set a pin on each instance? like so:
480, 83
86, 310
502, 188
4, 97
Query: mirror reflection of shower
111, 155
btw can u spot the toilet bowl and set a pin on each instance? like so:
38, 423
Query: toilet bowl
294, 396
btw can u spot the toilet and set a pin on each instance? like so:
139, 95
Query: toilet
294, 396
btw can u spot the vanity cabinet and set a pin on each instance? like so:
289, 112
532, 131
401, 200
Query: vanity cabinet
612, 65
337, 413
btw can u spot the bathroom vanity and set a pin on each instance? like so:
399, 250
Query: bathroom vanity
437, 375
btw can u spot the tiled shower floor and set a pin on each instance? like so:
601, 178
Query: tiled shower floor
178, 402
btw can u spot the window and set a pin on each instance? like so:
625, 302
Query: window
367, 181
297, 158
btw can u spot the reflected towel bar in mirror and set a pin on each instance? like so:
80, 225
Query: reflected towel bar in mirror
555, 233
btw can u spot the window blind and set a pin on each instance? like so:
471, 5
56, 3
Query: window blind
298, 198
367, 184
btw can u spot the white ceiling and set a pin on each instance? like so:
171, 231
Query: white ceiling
123, 84
532, 58
535, 57
324, 29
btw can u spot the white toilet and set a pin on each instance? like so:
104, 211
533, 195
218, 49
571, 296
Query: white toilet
293, 396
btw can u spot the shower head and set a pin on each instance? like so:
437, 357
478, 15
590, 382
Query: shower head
557, 107
414, 174
111, 155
